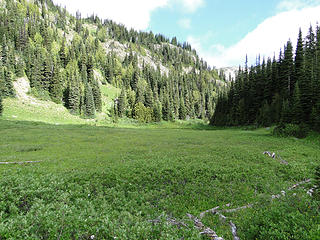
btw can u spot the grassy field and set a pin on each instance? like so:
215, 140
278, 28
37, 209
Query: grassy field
110, 183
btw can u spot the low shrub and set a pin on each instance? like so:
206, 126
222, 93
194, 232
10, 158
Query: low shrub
317, 182
291, 130
292, 217
40, 94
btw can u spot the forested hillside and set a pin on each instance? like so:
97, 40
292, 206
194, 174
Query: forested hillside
68, 59
286, 90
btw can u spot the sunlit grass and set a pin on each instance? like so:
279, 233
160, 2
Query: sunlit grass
109, 182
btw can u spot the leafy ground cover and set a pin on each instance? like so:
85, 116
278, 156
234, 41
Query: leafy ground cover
112, 183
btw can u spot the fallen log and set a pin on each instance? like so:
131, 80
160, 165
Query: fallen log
212, 210
204, 230
236, 209
299, 183
234, 231
274, 156
19, 162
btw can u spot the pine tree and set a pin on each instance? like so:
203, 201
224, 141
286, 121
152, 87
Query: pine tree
90, 110
122, 102
264, 117
20, 68
55, 88
301, 79
35, 71
135, 80
286, 78
1, 105
182, 110
3, 87
286, 116
8, 80
148, 97
166, 109
46, 73
315, 117
157, 111
297, 112
74, 95
63, 53
97, 96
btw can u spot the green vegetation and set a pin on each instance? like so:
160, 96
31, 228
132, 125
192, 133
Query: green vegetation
66, 59
110, 182
43, 111
280, 91
1, 105
114, 157
291, 130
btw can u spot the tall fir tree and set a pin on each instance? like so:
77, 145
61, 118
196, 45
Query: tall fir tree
90, 110
122, 103
1, 105
55, 88
97, 95
74, 95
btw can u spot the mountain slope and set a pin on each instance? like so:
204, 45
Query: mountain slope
71, 59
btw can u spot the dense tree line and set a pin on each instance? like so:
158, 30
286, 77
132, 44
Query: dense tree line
62, 54
286, 90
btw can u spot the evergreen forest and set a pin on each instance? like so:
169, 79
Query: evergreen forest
62, 55
278, 91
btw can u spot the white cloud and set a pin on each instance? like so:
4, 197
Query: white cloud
132, 13
185, 23
266, 39
190, 5
296, 4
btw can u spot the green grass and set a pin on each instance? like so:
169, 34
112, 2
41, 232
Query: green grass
39, 111
109, 182
109, 93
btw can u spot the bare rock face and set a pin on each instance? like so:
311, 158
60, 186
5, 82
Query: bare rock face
122, 50
112, 46
229, 72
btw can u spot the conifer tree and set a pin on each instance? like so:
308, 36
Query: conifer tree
1, 105
2, 82
297, 112
166, 109
55, 89
122, 102
148, 97
8, 79
315, 117
300, 78
286, 116
264, 117
46, 73
286, 79
157, 111
63, 53
97, 96
182, 110
74, 95
135, 80
90, 110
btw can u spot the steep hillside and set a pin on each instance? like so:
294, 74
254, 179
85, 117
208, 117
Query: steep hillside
73, 61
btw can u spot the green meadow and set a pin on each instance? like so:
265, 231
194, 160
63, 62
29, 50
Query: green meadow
100, 182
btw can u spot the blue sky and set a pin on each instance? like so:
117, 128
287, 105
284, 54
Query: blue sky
222, 31
224, 22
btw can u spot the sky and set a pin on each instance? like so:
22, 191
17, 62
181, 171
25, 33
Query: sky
222, 31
